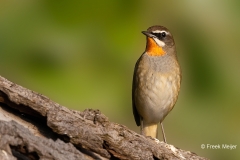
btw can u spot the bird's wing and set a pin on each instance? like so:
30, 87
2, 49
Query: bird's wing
135, 112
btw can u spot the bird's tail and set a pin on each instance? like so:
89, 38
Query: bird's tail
149, 130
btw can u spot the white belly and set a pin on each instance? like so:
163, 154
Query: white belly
155, 95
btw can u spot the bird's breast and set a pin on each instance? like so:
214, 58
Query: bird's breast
156, 91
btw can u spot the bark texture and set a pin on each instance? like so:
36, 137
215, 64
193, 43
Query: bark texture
34, 127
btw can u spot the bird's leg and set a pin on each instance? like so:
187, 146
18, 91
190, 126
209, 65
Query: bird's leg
141, 126
164, 137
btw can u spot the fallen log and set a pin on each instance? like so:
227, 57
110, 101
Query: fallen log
34, 127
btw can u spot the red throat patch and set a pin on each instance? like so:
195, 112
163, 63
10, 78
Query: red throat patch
153, 49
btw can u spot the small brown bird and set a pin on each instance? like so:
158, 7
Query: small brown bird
156, 81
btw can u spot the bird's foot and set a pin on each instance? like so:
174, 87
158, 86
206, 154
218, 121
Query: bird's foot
156, 140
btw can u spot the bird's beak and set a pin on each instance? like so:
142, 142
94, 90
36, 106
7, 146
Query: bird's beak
148, 34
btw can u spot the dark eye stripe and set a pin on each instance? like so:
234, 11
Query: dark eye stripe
160, 35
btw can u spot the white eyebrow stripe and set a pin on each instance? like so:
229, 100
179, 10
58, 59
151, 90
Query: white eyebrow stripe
158, 31
160, 43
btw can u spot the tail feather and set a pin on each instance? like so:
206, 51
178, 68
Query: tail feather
149, 130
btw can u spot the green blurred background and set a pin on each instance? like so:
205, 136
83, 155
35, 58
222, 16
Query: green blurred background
81, 54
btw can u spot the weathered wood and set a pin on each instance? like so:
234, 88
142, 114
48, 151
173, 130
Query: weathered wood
24, 144
88, 134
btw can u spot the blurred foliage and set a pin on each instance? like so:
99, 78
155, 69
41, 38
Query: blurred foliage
81, 54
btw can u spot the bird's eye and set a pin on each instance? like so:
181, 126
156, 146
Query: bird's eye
163, 34
160, 35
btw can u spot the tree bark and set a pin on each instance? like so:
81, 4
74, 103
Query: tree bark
34, 127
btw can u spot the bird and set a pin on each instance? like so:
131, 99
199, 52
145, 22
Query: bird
156, 81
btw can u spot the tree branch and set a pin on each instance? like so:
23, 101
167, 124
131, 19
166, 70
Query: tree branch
33, 126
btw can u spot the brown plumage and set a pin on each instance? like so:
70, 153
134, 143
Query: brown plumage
156, 81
